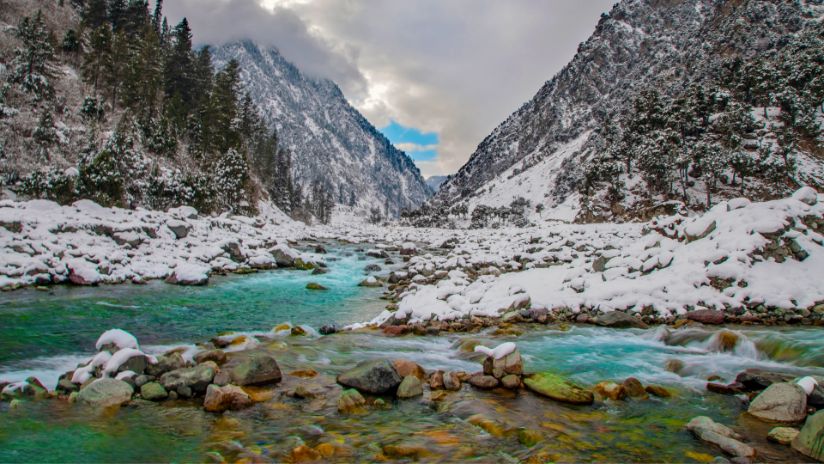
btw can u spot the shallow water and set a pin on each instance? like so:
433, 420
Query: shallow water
56, 330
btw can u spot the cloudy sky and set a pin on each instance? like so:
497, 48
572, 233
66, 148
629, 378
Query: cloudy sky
435, 75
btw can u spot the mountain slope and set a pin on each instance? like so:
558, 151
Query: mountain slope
569, 142
330, 141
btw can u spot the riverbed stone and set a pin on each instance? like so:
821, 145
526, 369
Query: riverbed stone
758, 379
410, 387
106, 392
436, 380
634, 388
657, 390
780, 402
377, 376
558, 388
706, 316
809, 441
705, 429
315, 286
611, 390
229, 397
406, 367
620, 320
167, 362
782, 435
254, 369
511, 381
483, 381
194, 378
218, 356
153, 391
350, 401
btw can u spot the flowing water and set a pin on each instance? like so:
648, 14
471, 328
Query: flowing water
45, 334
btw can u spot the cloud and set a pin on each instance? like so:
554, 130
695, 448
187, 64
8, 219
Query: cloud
456, 68
409, 147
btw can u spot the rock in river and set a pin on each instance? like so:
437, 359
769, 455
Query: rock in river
219, 399
377, 376
153, 391
811, 439
705, 429
782, 435
254, 369
780, 402
619, 319
557, 388
106, 392
410, 387
189, 379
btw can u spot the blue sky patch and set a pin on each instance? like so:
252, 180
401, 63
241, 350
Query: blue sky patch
420, 146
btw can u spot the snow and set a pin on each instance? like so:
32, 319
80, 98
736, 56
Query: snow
500, 351
117, 337
808, 384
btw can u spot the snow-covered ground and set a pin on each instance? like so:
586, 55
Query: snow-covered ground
739, 256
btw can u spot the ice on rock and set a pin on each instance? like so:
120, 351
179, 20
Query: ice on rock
117, 337
499, 351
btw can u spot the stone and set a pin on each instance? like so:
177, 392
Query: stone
558, 388
284, 257
194, 378
488, 425
634, 389
328, 329
153, 391
350, 401
706, 316
304, 453
308, 391
219, 357
610, 390
436, 380
692, 234
483, 381
405, 367
757, 379
106, 392
782, 435
229, 397
376, 376
410, 387
656, 390
511, 381
254, 369
315, 286
619, 320
452, 381
529, 437
730, 389
304, 373
167, 362
705, 429
780, 402
809, 441
509, 364
726, 340
179, 228
674, 365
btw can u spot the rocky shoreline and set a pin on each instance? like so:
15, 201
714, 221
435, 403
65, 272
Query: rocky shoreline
234, 372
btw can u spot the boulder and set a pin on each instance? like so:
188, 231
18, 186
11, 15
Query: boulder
757, 379
153, 391
706, 316
705, 429
219, 399
405, 367
179, 228
634, 389
217, 356
658, 391
809, 441
376, 376
167, 362
254, 369
350, 401
315, 286
410, 387
558, 388
483, 381
451, 381
511, 381
436, 380
189, 379
620, 320
284, 256
106, 392
782, 435
371, 282
780, 402
610, 390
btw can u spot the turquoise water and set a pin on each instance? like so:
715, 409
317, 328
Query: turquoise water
46, 333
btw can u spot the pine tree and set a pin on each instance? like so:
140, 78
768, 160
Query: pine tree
95, 14
99, 49
177, 73
31, 61
116, 65
117, 14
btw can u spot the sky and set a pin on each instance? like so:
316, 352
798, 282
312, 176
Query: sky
436, 76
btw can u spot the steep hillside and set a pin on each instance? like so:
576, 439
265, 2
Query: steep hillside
668, 105
330, 141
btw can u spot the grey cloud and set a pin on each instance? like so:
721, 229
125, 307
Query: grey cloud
455, 67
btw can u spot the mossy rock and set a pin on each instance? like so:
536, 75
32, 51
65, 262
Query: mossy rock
303, 265
315, 286
558, 388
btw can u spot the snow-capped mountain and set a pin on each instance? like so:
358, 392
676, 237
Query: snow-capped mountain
550, 150
330, 141
435, 182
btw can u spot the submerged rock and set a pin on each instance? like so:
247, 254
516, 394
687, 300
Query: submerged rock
558, 388
705, 429
219, 399
410, 387
376, 376
810, 441
106, 392
350, 401
153, 391
315, 286
780, 402
254, 369
782, 435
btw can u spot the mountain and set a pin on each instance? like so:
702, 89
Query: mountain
330, 141
435, 182
669, 105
